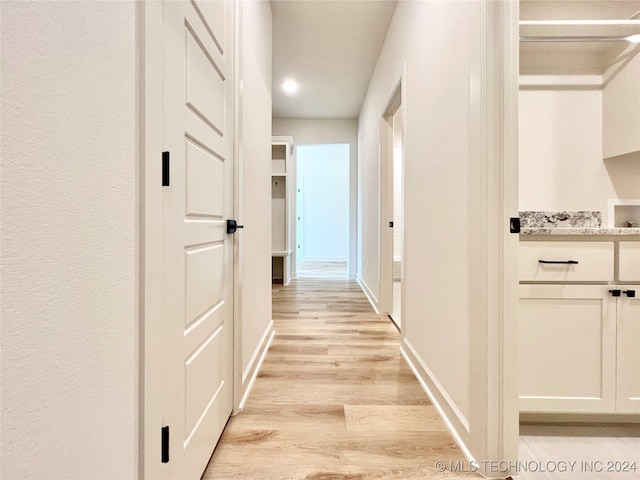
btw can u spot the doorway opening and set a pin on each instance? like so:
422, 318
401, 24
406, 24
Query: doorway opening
322, 206
392, 209
398, 220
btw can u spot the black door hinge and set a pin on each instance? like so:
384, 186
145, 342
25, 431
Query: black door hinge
165, 169
391, 224
514, 225
165, 444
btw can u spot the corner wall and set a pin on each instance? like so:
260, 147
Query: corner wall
255, 160
435, 101
455, 207
70, 256
328, 131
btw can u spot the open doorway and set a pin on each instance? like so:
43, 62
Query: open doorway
398, 220
391, 209
322, 206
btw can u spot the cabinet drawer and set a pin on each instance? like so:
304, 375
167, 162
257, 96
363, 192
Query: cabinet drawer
590, 261
629, 262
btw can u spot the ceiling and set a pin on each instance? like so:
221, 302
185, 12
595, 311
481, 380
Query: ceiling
330, 48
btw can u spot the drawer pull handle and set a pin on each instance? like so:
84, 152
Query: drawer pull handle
615, 293
557, 262
630, 293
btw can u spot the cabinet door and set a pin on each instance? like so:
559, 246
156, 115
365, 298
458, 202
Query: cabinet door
628, 392
629, 262
567, 348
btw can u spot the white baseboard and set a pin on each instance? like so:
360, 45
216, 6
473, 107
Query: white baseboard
250, 373
370, 296
560, 418
455, 421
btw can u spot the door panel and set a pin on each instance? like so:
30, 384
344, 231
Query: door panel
205, 83
198, 275
629, 351
204, 276
566, 348
204, 187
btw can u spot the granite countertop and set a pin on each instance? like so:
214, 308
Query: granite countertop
568, 223
579, 231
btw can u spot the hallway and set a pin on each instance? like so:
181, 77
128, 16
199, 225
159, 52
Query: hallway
334, 398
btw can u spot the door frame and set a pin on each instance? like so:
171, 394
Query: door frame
493, 141
386, 212
150, 44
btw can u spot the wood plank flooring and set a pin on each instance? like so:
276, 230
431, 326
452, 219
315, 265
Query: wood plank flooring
334, 398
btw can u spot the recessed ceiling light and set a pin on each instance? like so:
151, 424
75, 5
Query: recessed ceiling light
290, 87
634, 38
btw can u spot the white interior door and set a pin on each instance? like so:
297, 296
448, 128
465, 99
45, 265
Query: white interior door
198, 268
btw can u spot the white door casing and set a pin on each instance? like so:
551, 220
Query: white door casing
386, 212
197, 350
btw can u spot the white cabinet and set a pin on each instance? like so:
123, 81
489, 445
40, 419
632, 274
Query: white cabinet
567, 348
629, 261
621, 110
579, 343
628, 309
281, 152
628, 353
566, 261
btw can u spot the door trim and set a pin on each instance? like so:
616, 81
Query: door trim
151, 22
397, 100
493, 140
238, 258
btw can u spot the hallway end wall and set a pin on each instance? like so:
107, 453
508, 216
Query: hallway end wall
70, 208
329, 131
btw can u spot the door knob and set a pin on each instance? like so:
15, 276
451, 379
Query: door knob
232, 226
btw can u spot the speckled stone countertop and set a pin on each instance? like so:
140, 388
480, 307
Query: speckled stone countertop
568, 223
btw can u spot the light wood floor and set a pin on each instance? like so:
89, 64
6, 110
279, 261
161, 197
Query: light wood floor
327, 270
334, 399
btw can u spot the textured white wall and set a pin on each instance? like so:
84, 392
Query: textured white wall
330, 131
437, 317
561, 161
255, 138
69, 240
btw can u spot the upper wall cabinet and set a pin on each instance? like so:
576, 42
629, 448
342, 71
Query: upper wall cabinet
621, 108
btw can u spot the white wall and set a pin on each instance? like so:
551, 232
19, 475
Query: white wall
329, 131
323, 177
436, 127
445, 282
561, 151
255, 157
69, 240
